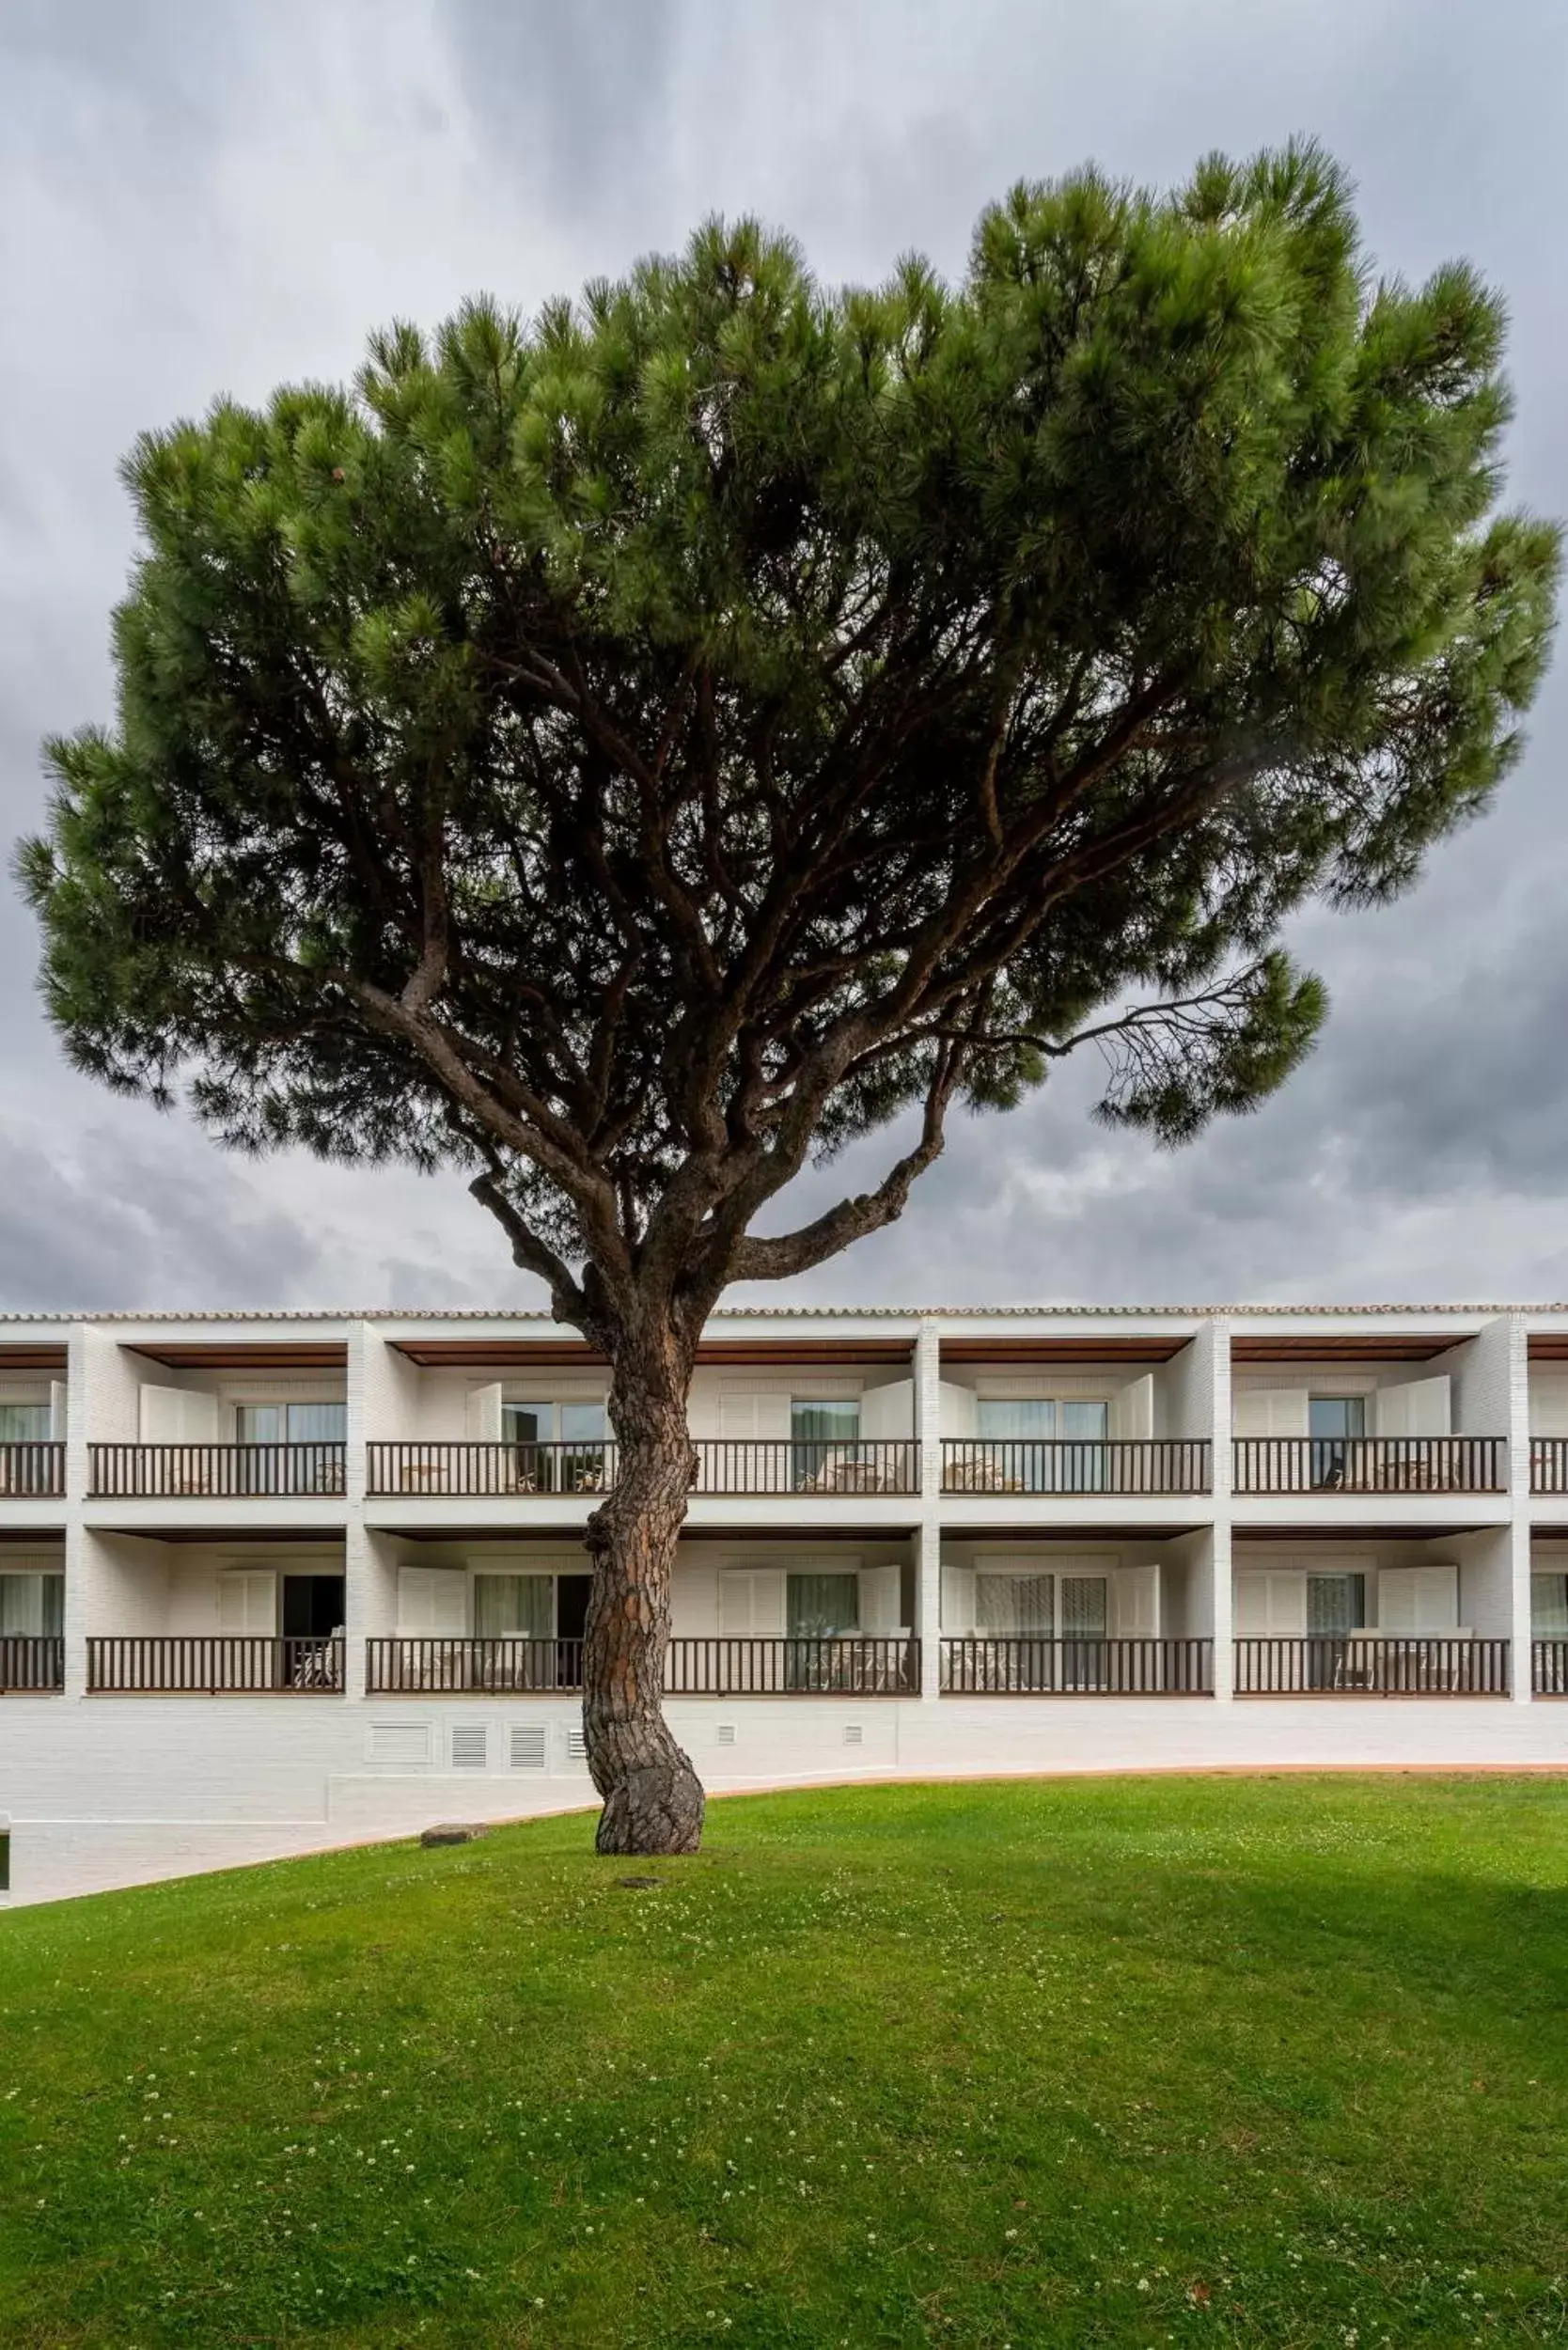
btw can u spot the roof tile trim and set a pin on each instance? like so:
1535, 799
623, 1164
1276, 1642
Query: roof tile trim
776, 1314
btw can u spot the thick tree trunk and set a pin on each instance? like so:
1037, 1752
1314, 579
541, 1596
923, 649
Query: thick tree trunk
653, 1800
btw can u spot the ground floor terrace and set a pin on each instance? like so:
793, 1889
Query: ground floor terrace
1139, 1614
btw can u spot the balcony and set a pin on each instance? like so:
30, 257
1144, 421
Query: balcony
1550, 1667
846, 1666
724, 1465
218, 1472
1548, 1464
32, 1471
31, 1665
218, 1665
1068, 1466
494, 1667
1369, 1465
979, 1665
1372, 1664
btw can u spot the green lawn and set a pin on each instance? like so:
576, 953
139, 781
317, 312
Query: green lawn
1136, 2061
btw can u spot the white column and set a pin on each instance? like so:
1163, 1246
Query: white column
1225, 1659
928, 1537
1519, 1653
76, 1563
364, 1347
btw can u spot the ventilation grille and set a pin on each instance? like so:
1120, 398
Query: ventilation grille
406, 1744
470, 1747
528, 1746
577, 1746
854, 1734
725, 1734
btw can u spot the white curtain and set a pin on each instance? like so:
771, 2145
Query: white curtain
514, 1607
1016, 1606
32, 1606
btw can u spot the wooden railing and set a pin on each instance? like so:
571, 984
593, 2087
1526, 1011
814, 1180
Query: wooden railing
1369, 1465
216, 1664
224, 1472
724, 1465
1118, 1465
1550, 1667
1360, 1663
489, 1469
862, 1665
1548, 1464
979, 1665
867, 1465
859, 1665
32, 1470
29, 1661
417, 1666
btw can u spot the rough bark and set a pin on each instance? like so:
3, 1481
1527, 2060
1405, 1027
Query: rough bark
653, 1799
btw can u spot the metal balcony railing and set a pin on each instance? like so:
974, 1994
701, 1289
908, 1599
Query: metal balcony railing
983, 1665
31, 1663
857, 1665
1370, 1465
216, 1664
29, 1471
220, 1472
1041, 1465
724, 1465
1362, 1664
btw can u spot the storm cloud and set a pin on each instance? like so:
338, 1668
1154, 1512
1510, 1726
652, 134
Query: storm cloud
199, 196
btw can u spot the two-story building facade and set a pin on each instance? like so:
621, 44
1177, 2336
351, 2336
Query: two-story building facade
270, 1583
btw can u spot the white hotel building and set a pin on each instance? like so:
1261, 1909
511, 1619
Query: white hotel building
271, 1583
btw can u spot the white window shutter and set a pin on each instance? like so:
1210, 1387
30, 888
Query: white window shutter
1136, 1603
1419, 1599
767, 1602
737, 1417
1269, 1412
1548, 1405
958, 1598
247, 1602
958, 1408
734, 1603
881, 1606
432, 1604
1270, 1605
482, 1415
888, 1412
751, 1603
177, 1415
57, 1410
1416, 1407
1132, 1409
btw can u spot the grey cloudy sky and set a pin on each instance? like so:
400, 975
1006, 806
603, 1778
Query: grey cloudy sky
205, 195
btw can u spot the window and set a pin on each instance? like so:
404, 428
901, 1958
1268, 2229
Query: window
32, 1606
1016, 1606
291, 1423
560, 1447
5, 1861
819, 1607
1085, 1606
1550, 1606
26, 1423
315, 1432
1053, 1443
514, 1607
1336, 1603
1334, 1422
824, 1439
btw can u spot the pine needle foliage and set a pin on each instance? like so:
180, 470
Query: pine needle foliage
629, 751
